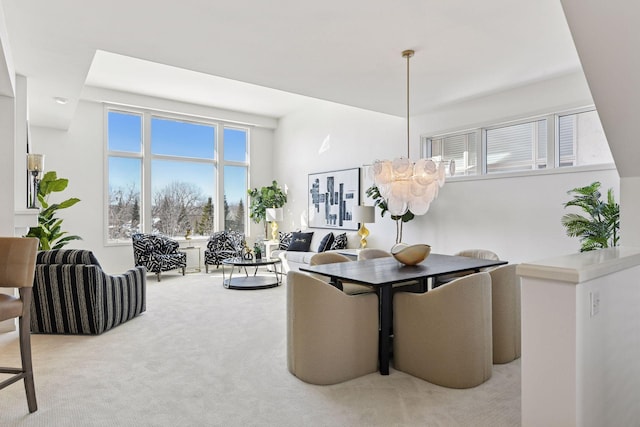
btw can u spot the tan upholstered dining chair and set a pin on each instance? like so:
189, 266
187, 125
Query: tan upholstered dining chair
17, 266
331, 336
333, 257
471, 253
444, 336
505, 296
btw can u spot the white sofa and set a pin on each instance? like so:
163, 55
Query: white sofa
292, 260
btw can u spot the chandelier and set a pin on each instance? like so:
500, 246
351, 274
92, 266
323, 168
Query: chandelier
405, 185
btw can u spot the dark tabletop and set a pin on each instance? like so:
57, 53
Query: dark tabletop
387, 270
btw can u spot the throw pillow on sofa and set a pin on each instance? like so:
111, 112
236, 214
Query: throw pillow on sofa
300, 242
285, 240
325, 243
339, 242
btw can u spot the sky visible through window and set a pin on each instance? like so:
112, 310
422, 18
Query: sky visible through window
180, 139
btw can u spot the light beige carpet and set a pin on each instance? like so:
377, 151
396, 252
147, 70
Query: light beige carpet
202, 355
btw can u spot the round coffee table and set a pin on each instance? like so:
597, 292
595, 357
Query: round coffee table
251, 281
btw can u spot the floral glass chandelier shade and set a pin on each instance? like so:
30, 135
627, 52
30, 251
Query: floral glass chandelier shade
405, 185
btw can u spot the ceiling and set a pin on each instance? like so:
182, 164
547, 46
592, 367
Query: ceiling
272, 57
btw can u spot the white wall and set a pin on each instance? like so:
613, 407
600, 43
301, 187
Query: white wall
7, 149
517, 217
78, 154
326, 138
579, 368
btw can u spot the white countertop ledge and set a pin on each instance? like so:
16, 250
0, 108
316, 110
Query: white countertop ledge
582, 267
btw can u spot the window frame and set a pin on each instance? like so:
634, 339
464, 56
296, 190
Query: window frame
553, 147
146, 157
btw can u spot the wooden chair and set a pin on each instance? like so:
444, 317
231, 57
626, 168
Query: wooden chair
17, 266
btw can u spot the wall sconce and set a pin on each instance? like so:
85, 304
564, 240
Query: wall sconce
364, 214
35, 166
273, 215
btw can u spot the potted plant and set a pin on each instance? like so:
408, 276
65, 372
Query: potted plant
267, 197
600, 228
49, 230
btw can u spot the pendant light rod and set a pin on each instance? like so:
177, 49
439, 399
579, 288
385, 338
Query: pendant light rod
408, 54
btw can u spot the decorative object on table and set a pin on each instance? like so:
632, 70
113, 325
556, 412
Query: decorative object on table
364, 214
332, 197
267, 197
405, 186
157, 253
274, 215
257, 250
49, 230
410, 254
223, 245
187, 235
35, 167
86, 299
601, 228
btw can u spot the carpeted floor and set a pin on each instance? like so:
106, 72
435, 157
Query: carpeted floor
202, 355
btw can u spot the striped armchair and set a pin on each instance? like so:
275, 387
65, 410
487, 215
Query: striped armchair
72, 295
157, 253
223, 245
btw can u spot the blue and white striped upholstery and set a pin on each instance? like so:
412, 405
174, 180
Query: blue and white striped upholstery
72, 295
157, 253
223, 245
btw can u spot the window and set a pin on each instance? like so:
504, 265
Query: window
517, 147
166, 180
462, 148
235, 178
581, 140
572, 138
124, 143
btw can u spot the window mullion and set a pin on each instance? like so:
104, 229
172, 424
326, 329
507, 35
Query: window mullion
219, 172
553, 142
146, 175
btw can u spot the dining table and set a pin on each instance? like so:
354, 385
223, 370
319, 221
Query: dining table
383, 273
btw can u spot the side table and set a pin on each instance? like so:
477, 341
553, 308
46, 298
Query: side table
193, 254
270, 246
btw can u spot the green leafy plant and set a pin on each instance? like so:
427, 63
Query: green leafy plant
49, 230
267, 197
374, 193
600, 228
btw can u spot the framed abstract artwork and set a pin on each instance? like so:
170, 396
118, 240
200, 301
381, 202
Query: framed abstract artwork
332, 196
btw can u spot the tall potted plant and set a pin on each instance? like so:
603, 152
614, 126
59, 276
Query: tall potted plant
49, 230
270, 196
600, 228
374, 193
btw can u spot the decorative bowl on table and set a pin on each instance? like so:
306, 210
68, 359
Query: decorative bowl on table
410, 254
